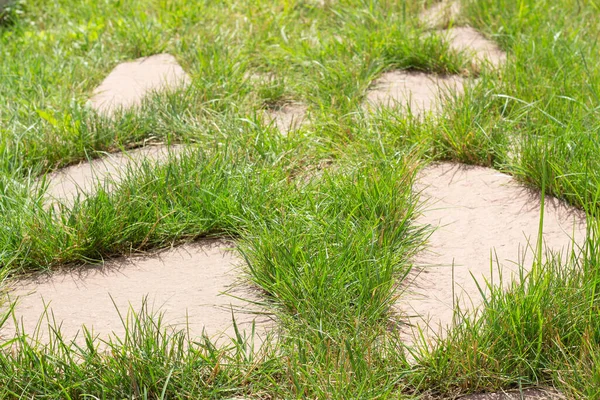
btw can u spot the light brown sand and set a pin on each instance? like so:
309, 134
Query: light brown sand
128, 83
84, 177
188, 281
288, 118
415, 90
476, 211
475, 45
440, 15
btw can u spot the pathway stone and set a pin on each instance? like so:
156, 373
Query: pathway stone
130, 82
475, 45
65, 184
476, 211
528, 394
440, 15
193, 283
288, 117
417, 91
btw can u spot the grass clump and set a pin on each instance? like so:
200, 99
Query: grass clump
324, 217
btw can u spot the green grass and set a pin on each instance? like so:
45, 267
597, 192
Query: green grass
324, 216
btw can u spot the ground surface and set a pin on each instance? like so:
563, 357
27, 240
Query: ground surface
486, 226
194, 286
403, 196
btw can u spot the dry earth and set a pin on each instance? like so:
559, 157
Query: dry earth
478, 213
194, 285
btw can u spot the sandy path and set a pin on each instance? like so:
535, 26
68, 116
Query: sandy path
419, 92
476, 211
194, 281
128, 83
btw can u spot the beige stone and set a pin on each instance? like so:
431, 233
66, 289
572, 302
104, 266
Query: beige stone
288, 117
65, 184
128, 83
527, 394
477, 213
474, 45
440, 15
195, 285
417, 91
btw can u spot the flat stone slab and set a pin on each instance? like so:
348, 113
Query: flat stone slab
476, 211
440, 15
193, 285
128, 83
469, 41
528, 394
288, 118
65, 184
415, 91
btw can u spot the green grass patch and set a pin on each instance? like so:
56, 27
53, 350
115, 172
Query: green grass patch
323, 216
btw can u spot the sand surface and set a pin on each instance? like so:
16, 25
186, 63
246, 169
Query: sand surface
440, 15
415, 90
128, 83
475, 45
193, 281
66, 183
475, 211
287, 118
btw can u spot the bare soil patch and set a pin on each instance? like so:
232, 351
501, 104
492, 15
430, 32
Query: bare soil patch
478, 213
66, 183
195, 285
416, 92
128, 83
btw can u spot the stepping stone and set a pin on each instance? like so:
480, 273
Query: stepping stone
417, 91
440, 15
195, 285
475, 45
528, 394
476, 211
287, 118
65, 184
130, 82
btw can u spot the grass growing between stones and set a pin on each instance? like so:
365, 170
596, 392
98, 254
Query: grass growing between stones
321, 216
